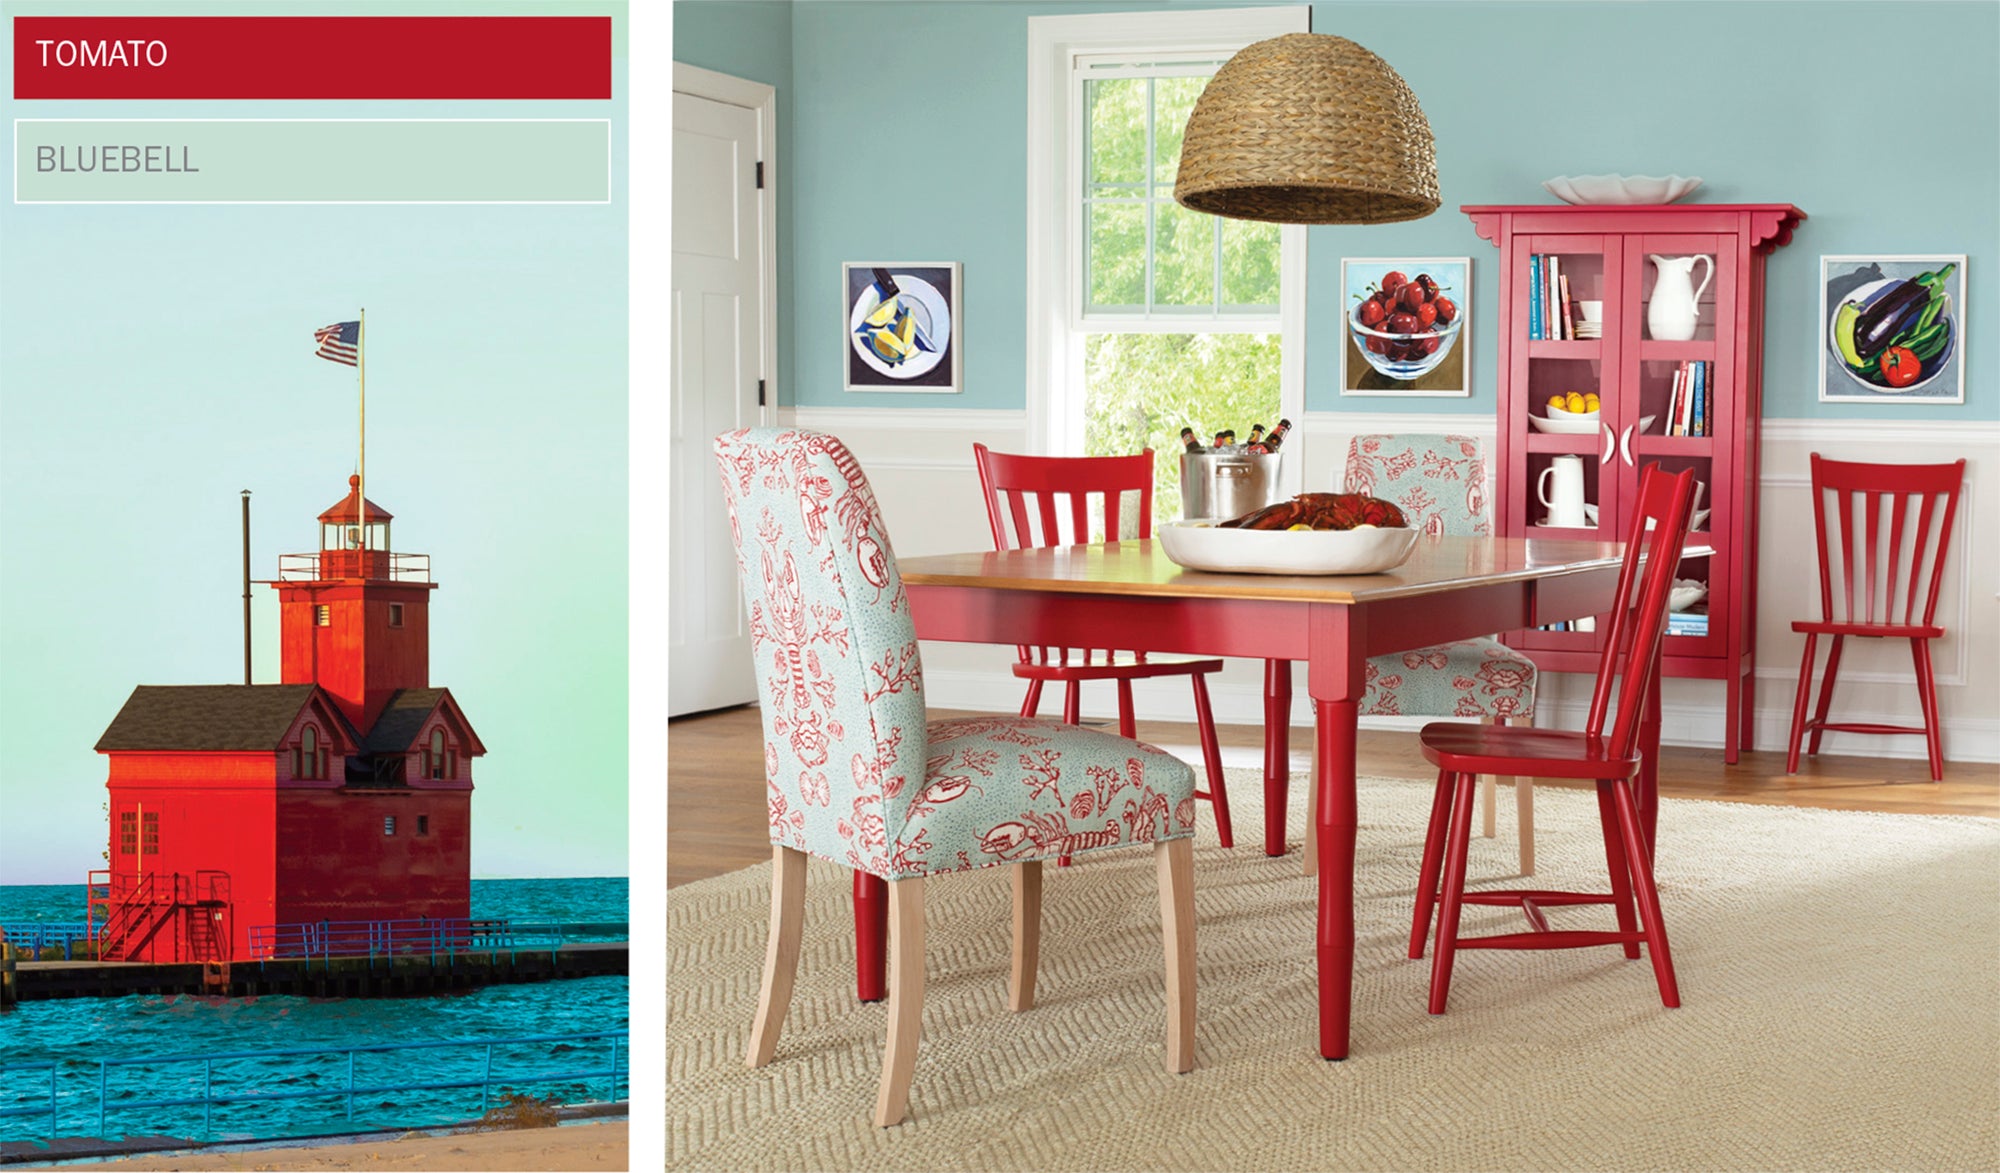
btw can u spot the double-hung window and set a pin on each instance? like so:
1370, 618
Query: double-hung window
1145, 317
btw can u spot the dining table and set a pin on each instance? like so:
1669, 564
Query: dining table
1130, 596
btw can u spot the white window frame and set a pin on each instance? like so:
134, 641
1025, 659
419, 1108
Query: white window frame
1056, 322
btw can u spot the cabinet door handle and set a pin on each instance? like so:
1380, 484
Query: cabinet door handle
1610, 444
1625, 445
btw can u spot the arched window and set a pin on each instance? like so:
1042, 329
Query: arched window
437, 755
311, 759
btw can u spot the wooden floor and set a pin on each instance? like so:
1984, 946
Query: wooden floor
716, 821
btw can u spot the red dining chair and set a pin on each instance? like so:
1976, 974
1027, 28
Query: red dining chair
1629, 666
1034, 501
1892, 492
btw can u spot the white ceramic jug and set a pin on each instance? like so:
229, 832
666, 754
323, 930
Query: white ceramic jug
1676, 304
1566, 505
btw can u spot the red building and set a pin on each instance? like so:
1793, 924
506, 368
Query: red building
342, 794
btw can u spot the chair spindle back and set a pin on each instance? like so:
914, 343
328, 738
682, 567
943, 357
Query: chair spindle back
1637, 631
1894, 573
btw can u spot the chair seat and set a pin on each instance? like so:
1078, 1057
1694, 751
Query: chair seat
1118, 666
1001, 789
1888, 630
1479, 677
1518, 749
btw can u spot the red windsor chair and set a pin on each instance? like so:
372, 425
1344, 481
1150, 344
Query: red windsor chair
1035, 501
1891, 491
1630, 666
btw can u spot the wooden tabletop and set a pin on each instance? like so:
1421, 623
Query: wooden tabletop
1439, 563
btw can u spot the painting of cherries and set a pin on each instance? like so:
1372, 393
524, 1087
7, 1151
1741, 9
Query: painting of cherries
1404, 323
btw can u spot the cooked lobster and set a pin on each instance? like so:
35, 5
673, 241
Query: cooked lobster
1322, 511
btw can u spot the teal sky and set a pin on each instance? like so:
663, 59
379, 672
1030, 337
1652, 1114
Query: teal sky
156, 360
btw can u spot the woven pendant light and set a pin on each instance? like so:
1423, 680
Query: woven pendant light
1308, 129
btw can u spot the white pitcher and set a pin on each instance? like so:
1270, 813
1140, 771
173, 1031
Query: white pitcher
1676, 304
1566, 505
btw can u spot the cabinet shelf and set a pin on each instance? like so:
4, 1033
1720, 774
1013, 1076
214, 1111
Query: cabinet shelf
1606, 254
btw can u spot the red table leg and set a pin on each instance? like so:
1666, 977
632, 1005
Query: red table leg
1337, 826
1277, 752
871, 936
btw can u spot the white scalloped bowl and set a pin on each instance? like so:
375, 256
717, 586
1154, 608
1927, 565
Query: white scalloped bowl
1620, 189
1200, 545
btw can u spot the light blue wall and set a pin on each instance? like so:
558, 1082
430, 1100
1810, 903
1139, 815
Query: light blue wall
909, 135
752, 39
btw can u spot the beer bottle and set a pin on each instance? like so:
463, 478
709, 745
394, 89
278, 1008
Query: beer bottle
1277, 435
1256, 433
1225, 437
1192, 441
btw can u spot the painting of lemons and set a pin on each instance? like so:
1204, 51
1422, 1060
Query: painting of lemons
902, 326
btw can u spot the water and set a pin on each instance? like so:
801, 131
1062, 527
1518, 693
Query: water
78, 1033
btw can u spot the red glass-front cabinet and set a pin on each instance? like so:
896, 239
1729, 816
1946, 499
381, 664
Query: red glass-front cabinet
1606, 254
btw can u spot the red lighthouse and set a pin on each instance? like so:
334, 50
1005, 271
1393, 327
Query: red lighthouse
342, 794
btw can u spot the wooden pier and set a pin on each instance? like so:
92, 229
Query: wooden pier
380, 976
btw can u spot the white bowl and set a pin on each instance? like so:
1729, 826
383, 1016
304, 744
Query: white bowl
1568, 422
1685, 593
1620, 189
1201, 545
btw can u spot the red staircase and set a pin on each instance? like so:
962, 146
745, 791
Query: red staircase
162, 916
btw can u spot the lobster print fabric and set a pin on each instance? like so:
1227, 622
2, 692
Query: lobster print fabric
853, 771
1440, 484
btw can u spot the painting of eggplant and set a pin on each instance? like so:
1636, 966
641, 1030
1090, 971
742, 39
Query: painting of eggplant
1892, 329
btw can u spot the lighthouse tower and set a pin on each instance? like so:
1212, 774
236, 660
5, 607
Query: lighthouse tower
355, 618
342, 794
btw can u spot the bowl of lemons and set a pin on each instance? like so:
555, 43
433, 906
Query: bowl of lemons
1574, 413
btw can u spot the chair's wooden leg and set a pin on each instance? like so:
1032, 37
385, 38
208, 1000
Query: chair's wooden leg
781, 951
1073, 703
1647, 895
1825, 695
1174, 859
1621, 871
1799, 703
1127, 727
906, 999
1032, 703
1489, 798
1456, 849
1427, 874
1277, 753
1524, 822
1027, 934
1920, 651
1211, 760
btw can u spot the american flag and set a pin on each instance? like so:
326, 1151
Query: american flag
340, 342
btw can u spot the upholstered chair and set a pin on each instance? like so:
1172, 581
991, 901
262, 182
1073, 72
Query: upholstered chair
856, 773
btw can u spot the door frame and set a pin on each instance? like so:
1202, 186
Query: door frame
763, 100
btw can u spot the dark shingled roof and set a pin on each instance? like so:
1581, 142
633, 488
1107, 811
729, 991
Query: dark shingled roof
401, 718
206, 717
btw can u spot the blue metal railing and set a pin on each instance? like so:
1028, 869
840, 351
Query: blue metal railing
39, 935
588, 1063
410, 938
7, 1069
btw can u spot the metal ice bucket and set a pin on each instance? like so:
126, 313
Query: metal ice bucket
1221, 486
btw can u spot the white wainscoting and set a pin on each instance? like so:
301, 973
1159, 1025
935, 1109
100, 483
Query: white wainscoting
920, 462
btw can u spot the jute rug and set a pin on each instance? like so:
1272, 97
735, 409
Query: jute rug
1840, 975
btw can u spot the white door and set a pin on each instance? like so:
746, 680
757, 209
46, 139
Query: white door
718, 328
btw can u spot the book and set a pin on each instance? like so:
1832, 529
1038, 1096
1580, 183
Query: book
1535, 298
1549, 312
1700, 413
1568, 310
1687, 400
1687, 623
1672, 425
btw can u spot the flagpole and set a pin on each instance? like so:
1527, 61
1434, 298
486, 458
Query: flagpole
361, 365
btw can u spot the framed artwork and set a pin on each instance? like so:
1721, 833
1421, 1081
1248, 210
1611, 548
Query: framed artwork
902, 325
1405, 326
1891, 329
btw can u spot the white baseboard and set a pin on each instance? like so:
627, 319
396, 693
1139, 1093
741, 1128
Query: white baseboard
1966, 739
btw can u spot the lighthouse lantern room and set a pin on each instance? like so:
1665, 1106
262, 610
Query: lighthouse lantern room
341, 794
